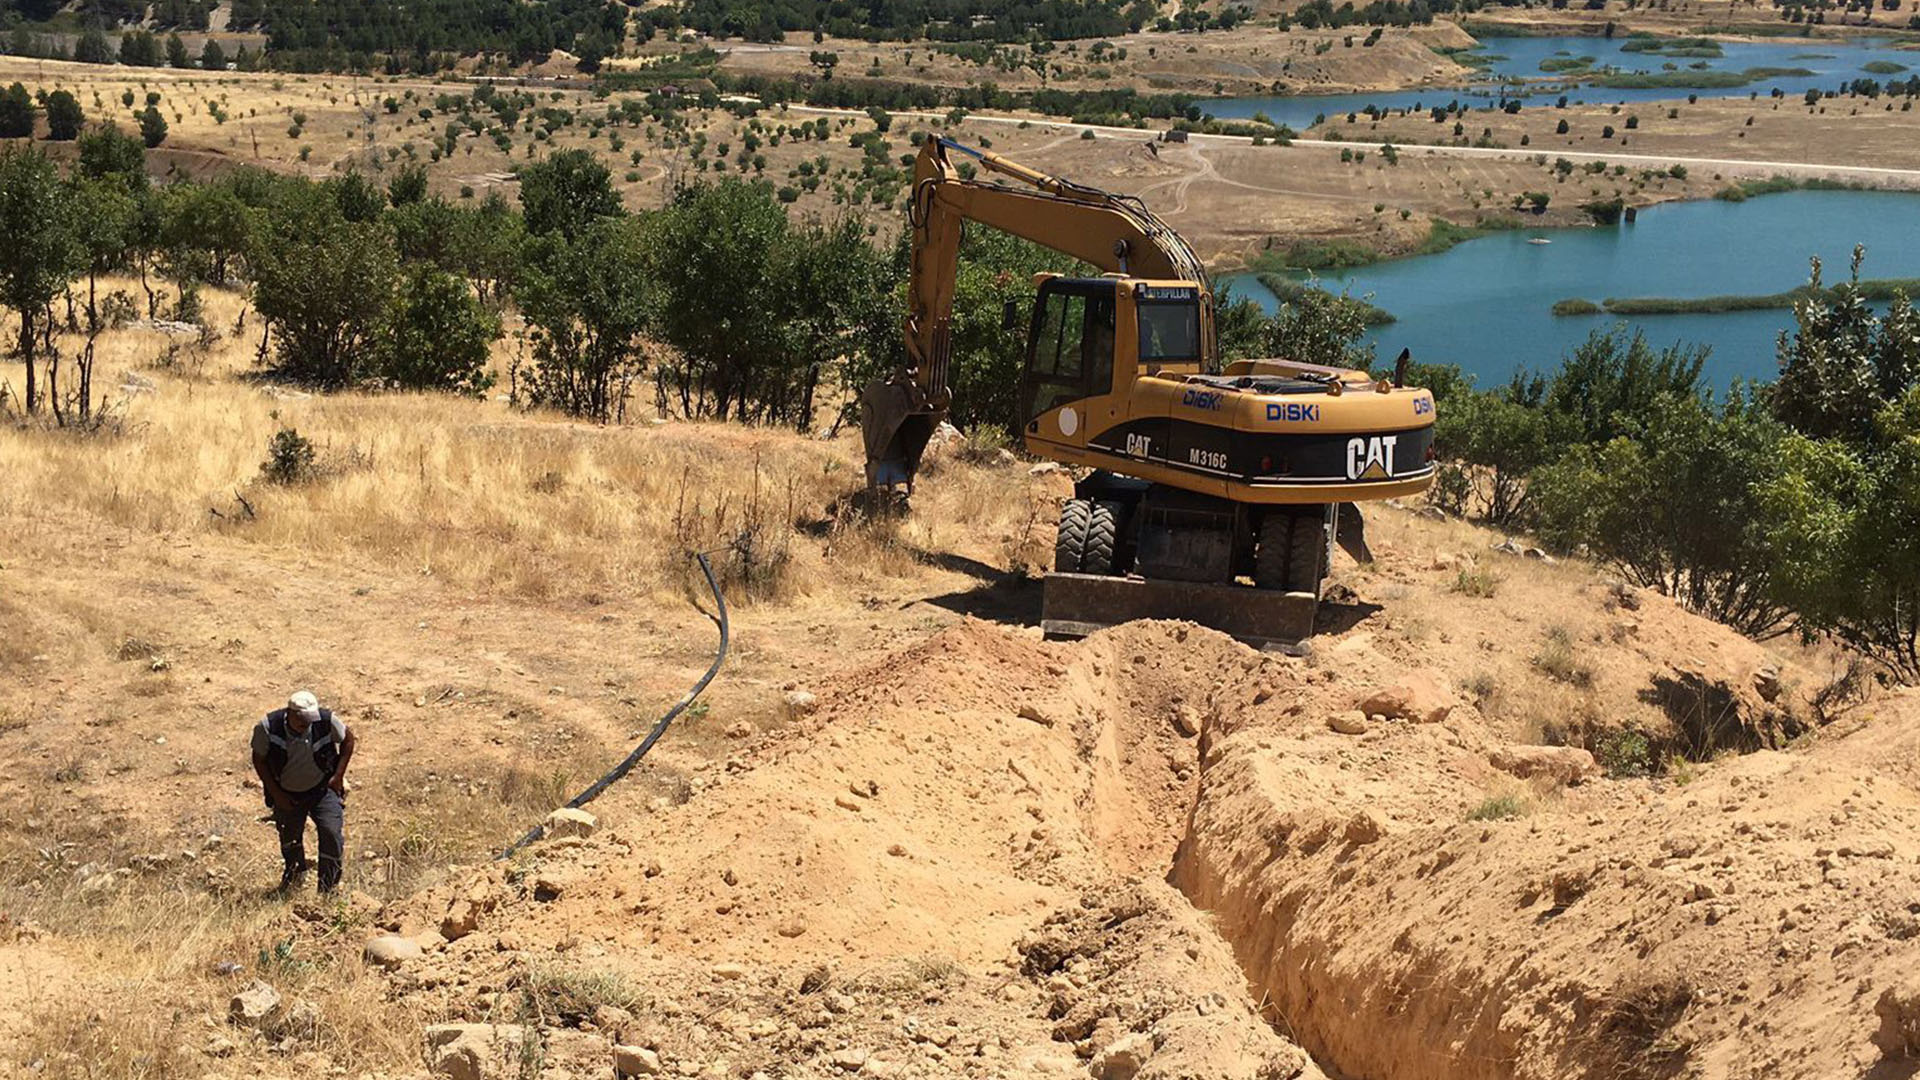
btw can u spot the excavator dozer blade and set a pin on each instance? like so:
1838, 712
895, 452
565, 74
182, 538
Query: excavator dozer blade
1075, 605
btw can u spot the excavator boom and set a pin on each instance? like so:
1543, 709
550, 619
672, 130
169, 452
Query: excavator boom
1115, 233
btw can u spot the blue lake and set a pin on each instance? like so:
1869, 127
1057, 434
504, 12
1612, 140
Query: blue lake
1486, 305
1832, 63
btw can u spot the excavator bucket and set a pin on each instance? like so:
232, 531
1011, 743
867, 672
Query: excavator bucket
895, 424
1075, 605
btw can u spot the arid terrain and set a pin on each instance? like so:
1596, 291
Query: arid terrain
1508, 818
1230, 199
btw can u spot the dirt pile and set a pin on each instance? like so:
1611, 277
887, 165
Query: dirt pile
954, 867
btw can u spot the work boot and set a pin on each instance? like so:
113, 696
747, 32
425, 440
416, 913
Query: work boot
292, 878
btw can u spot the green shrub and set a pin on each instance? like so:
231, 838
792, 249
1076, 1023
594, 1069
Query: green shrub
291, 459
1559, 657
1626, 753
1498, 808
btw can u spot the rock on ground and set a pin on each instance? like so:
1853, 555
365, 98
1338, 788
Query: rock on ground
1421, 696
570, 821
1562, 764
474, 1051
391, 950
1899, 1012
256, 1007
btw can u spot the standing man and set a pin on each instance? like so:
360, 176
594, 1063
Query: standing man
301, 754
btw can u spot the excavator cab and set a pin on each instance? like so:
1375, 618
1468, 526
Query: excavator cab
1070, 347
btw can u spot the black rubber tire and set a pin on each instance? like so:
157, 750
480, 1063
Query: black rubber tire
1307, 557
1103, 536
1072, 538
1270, 553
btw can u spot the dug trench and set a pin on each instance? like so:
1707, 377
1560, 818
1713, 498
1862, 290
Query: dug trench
1158, 853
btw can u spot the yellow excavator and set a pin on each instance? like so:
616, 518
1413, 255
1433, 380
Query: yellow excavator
1216, 491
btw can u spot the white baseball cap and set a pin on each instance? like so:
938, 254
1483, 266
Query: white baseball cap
304, 703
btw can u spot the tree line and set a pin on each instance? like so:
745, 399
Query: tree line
1789, 506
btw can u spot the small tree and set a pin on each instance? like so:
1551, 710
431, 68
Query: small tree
153, 127
64, 118
107, 152
212, 56
565, 193
16, 113
39, 252
437, 335
92, 48
408, 186
177, 52
586, 305
323, 284
1321, 327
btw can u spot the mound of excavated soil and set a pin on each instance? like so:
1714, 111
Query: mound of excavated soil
954, 868
958, 866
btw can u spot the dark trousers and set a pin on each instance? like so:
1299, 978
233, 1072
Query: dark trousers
323, 805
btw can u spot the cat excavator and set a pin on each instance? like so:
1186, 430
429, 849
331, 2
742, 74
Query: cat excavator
1214, 492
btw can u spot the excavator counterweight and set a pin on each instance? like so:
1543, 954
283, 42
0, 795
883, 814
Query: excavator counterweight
1212, 492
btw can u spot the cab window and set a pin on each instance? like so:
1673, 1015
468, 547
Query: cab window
1072, 349
1169, 331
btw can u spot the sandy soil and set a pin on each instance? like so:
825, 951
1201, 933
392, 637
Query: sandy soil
973, 853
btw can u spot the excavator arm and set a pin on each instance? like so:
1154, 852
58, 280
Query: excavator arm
1116, 233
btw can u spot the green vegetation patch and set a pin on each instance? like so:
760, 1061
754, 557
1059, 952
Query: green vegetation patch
1694, 80
1883, 67
1443, 234
1871, 289
1576, 306
1690, 46
1286, 289
1554, 64
1317, 255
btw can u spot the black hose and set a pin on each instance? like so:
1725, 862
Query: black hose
626, 766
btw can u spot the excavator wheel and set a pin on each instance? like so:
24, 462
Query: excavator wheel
1308, 554
1103, 535
1270, 564
1075, 516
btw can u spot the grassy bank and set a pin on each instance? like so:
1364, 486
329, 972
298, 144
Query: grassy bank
1285, 289
1742, 190
1342, 254
1693, 80
1872, 289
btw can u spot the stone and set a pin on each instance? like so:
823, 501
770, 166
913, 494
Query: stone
570, 821
729, 971
611, 1018
302, 1020
462, 918
1766, 682
1186, 720
847, 802
1420, 696
801, 703
257, 1007
849, 1060
739, 729
390, 951
1351, 722
1899, 1011
1029, 711
635, 1061
474, 1051
1123, 1058
1561, 764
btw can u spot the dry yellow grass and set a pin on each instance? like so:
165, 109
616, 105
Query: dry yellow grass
472, 492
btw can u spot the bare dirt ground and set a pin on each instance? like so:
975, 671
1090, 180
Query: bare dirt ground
1250, 59
970, 852
1230, 199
